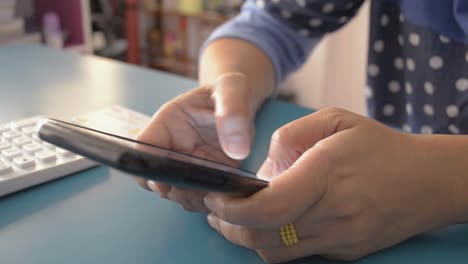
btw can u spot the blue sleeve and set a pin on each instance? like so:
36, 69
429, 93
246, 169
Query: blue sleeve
286, 32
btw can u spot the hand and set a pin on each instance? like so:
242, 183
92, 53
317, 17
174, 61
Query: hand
213, 122
350, 185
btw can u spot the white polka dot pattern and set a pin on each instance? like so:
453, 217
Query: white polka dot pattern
407, 128
285, 14
453, 129
399, 63
414, 39
429, 88
409, 109
379, 46
394, 87
444, 39
315, 22
373, 70
462, 84
261, 4
428, 109
408, 88
436, 62
368, 92
401, 40
426, 130
328, 8
419, 78
452, 111
388, 110
410, 64
384, 20
301, 3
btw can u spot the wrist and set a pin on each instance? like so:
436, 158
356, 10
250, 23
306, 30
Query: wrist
444, 160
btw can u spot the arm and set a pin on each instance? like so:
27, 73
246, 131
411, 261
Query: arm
446, 157
265, 46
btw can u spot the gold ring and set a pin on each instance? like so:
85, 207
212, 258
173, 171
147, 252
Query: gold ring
288, 234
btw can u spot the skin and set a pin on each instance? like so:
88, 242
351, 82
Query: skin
350, 185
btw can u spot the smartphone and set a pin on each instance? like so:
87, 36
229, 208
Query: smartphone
149, 161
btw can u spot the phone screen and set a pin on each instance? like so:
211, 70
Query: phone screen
149, 161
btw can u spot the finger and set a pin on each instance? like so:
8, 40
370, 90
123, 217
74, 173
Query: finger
190, 200
161, 188
234, 115
261, 238
291, 140
142, 182
296, 189
308, 247
285, 199
242, 236
154, 133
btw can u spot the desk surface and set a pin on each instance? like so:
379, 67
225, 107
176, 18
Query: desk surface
102, 216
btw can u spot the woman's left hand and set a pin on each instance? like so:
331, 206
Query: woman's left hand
350, 185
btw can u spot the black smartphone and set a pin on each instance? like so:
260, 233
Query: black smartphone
149, 161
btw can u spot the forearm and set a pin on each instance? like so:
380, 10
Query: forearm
446, 158
228, 55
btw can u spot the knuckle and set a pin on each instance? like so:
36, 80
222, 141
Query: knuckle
332, 110
248, 238
350, 255
266, 256
278, 212
334, 117
359, 236
282, 135
188, 208
166, 107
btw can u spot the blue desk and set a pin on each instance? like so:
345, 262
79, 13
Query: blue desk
101, 216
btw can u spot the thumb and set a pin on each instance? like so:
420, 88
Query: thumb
234, 114
290, 141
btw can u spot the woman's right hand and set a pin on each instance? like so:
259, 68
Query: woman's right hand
214, 122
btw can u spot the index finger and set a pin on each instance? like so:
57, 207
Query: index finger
285, 199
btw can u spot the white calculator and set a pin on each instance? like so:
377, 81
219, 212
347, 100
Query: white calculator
26, 160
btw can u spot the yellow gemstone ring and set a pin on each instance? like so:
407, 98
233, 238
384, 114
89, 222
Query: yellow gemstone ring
288, 234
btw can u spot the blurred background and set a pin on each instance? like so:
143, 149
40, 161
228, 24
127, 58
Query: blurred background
167, 34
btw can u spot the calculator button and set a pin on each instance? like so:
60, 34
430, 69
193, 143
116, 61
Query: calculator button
4, 129
36, 138
4, 168
24, 162
4, 145
45, 156
21, 141
63, 153
18, 125
11, 153
49, 146
32, 148
9, 135
28, 131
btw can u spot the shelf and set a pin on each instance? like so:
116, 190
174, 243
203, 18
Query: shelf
178, 66
208, 17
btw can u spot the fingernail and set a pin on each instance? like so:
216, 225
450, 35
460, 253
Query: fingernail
236, 135
210, 219
152, 186
237, 147
265, 171
210, 202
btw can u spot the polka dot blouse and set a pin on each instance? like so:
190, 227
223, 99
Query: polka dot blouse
418, 53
